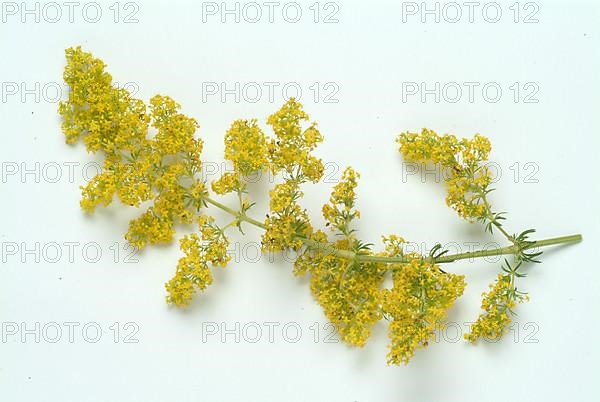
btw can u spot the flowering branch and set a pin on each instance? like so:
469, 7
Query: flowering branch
163, 169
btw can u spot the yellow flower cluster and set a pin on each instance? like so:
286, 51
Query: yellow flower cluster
108, 118
287, 222
349, 292
101, 190
290, 150
340, 210
227, 183
497, 308
149, 228
193, 271
136, 168
466, 177
175, 136
215, 249
177, 157
417, 305
246, 146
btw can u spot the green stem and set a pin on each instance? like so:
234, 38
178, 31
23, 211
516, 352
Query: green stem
501, 229
492, 219
325, 248
510, 249
235, 213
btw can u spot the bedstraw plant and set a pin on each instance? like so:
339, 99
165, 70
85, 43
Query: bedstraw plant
152, 156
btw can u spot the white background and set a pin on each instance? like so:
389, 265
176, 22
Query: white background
545, 151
